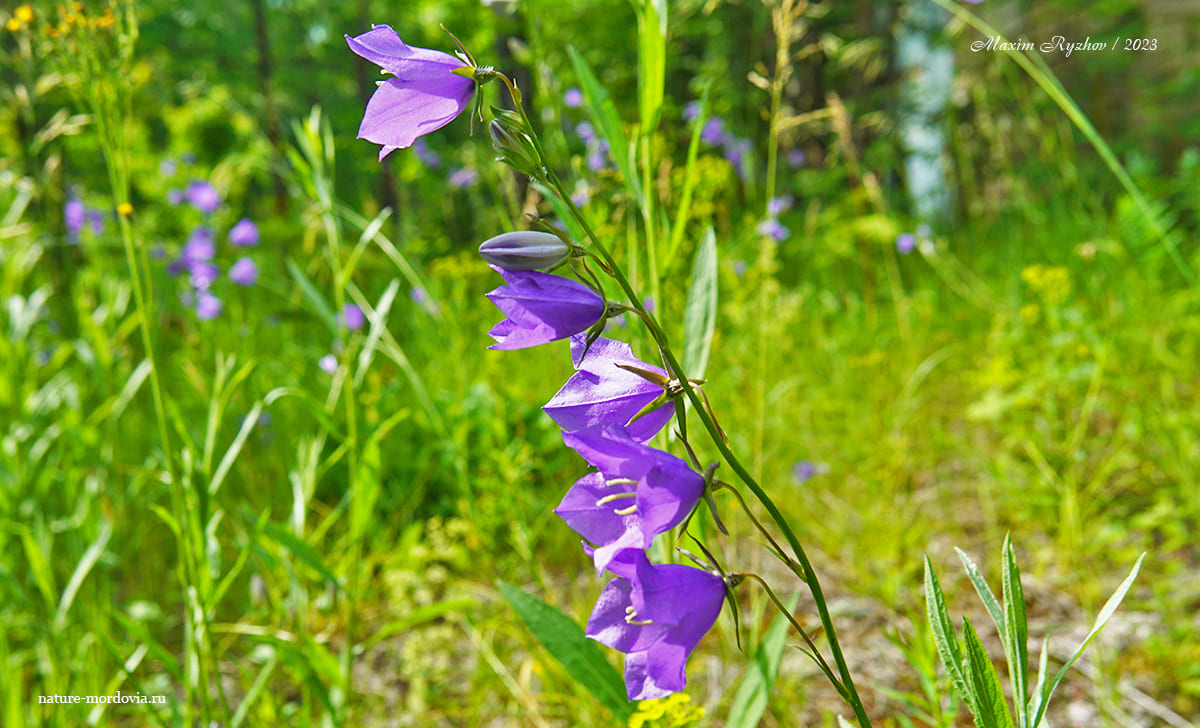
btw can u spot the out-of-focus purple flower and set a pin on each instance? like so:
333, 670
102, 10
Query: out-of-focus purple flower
95, 220
188, 158
208, 306
656, 615
585, 131
167, 167
772, 228
243, 272
175, 196
422, 298
74, 213
638, 493
541, 308
328, 363
803, 471
462, 178
596, 159
737, 151
202, 196
905, 242
739, 268
600, 392
200, 245
573, 98
713, 132
203, 274
244, 234
424, 95
691, 110
353, 317
426, 154
648, 303
778, 205
797, 157
581, 197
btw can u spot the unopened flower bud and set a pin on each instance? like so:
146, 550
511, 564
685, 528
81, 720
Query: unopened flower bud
524, 250
513, 144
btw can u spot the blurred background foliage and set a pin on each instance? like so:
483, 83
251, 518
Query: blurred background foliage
1029, 367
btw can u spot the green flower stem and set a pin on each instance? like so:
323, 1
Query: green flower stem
847, 690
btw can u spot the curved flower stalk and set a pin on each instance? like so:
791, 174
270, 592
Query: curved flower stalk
604, 391
425, 93
656, 615
541, 308
638, 493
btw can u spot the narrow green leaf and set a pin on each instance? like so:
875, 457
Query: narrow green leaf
298, 548
700, 318
984, 590
945, 639
1106, 614
314, 297
260, 682
750, 702
683, 214
565, 640
981, 673
652, 60
249, 422
378, 321
608, 124
43, 576
90, 557
1016, 633
1035, 700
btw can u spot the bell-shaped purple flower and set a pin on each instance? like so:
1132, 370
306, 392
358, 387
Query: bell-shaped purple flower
353, 317
656, 615
244, 234
638, 493
424, 95
602, 393
202, 196
541, 308
243, 272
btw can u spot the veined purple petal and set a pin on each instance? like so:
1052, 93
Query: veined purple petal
424, 96
656, 614
601, 392
540, 308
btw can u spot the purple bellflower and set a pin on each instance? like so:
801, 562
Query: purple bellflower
573, 98
200, 246
353, 317
602, 393
656, 615
424, 95
541, 308
208, 306
905, 242
243, 272
74, 213
638, 493
244, 234
203, 197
